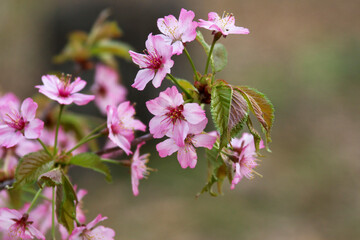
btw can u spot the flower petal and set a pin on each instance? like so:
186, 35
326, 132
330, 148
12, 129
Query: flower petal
167, 147
187, 156
28, 109
142, 78
82, 99
33, 129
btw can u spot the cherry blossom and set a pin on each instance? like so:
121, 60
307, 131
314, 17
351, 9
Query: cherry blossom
63, 91
121, 125
172, 116
106, 88
15, 126
16, 225
187, 156
244, 157
178, 32
224, 24
91, 232
154, 64
138, 168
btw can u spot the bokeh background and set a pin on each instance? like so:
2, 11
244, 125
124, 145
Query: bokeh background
304, 55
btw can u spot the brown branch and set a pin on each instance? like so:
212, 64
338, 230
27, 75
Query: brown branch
119, 151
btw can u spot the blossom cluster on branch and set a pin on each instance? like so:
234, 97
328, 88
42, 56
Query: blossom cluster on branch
37, 152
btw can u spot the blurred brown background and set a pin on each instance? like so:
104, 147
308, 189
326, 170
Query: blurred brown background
304, 55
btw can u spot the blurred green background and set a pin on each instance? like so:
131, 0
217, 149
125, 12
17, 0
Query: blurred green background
304, 55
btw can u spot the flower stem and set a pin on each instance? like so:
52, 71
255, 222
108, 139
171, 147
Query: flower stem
53, 214
37, 195
191, 62
84, 140
216, 37
174, 80
57, 128
44, 146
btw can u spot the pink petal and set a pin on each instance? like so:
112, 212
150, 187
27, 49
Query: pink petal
159, 77
9, 137
204, 140
238, 30
180, 131
33, 129
98, 219
50, 82
75, 235
103, 233
28, 109
158, 126
121, 141
212, 16
35, 233
178, 47
187, 156
77, 85
167, 147
193, 113
139, 59
142, 78
82, 99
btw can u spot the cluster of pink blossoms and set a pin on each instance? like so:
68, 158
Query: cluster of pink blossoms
156, 62
182, 122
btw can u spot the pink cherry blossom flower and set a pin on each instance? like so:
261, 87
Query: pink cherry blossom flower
224, 24
154, 64
121, 125
16, 225
245, 157
16, 126
91, 232
187, 156
138, 168
172, 116
178, 32
64, 92
106, 88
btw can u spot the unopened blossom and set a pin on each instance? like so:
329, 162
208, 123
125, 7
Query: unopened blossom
172, 116
91, 232
155, 63
121, 125
138, 168
106, 88
17, 125
244, 160
16, 225
186, 155
63, 90
224, 24
178, 32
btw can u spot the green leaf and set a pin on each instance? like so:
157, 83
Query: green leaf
92, 161
255, 134
106, 30
219, 57
66, 201
229, 110
31, 166
261, 106
51, 178
116, 48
